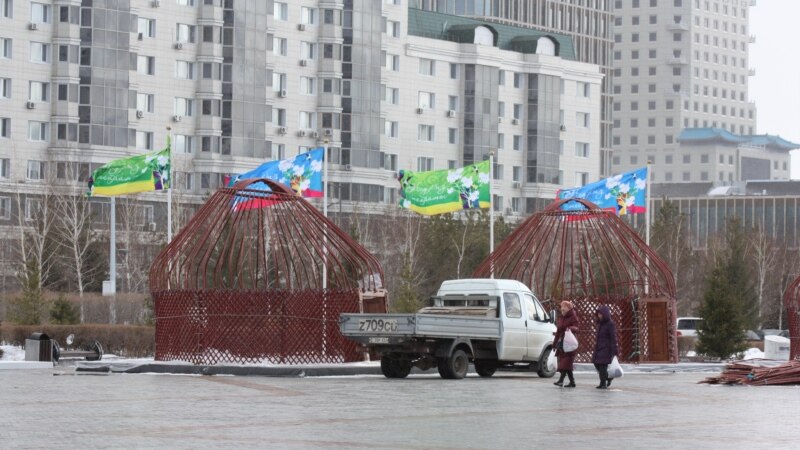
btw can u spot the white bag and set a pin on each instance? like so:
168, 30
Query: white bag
552, 362
614, 369
570, 341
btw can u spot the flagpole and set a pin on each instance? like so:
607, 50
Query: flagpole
647, 211
112, 260
169, 189
491, 211
325, 211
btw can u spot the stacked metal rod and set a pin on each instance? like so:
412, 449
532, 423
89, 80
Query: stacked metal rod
750, 373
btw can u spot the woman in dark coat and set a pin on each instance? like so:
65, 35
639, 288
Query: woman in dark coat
605, 348
568, 320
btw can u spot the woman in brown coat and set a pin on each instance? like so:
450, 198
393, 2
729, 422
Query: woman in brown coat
568, 320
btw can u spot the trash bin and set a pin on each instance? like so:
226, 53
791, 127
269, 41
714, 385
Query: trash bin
38, 347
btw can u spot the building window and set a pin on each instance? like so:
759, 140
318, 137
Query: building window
184, 107
185, 33
5, 88
452, 135
308, 85
281, 11
392, 95
144, 140
391, 128
392, 28
279, 46
146, 27
186, 2
425, 133
581, 179
393, 62
5, 48
40, 53
184, 144
582, 149
38, 131
308, 16
5, 127
146, 65
582, 119
424, 163
518, 77
308, 50
145, 102
40, 13
35, 170
453, 71
184, 70
278, 81
427, 67
7, 8
426, 100
279, 117
38, 91
517, 142
308, 120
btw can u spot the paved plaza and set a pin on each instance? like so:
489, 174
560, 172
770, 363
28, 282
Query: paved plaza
61, 408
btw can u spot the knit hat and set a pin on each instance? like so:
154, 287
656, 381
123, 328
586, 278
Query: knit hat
568, 304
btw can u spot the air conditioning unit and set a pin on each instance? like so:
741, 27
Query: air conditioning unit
562, 128
179, 46
30, 105
451, 113
177, 118
420, 110
282, 130
515, 121
301, 133
348, 167
328, 132
155, 3
141, 36
301, 27
139, 113
33, 26
314, 134
152, 226
499, 120
283, 93
516, 185
303, 62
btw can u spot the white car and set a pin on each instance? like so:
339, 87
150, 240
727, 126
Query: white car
687, 326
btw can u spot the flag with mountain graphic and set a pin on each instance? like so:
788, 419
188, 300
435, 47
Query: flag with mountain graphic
140, 173
442, 191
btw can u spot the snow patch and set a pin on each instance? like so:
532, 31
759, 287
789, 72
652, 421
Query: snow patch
12, 353
753, 353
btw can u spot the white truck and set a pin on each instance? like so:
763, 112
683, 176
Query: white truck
495, 324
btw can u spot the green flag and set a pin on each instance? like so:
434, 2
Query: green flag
140, 173
443, 191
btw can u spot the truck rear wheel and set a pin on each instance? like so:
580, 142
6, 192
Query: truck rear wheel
395, 367
484, 368
455, 366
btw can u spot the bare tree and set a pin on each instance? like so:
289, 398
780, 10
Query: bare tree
74, 234
764, 253
35, 220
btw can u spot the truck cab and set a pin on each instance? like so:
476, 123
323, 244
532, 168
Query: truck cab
526, 328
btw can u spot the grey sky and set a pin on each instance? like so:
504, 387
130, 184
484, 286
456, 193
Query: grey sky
776, 85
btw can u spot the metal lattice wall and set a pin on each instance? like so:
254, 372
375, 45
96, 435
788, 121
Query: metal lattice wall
792, 302
592, 257
243, 282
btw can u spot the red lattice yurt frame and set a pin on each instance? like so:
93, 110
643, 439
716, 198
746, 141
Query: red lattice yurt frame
259, 275
792, 302
592, 257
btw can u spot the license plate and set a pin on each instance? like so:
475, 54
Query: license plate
379, 340
372, 325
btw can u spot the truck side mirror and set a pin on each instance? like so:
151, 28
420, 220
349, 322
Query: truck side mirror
552, 317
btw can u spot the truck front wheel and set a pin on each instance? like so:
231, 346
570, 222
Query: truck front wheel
395, 367
455, 366
546, 370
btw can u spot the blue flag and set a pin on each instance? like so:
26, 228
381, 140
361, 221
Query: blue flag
623, 194
302, 174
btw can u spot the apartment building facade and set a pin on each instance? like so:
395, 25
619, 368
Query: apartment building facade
239, 82
679, 64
